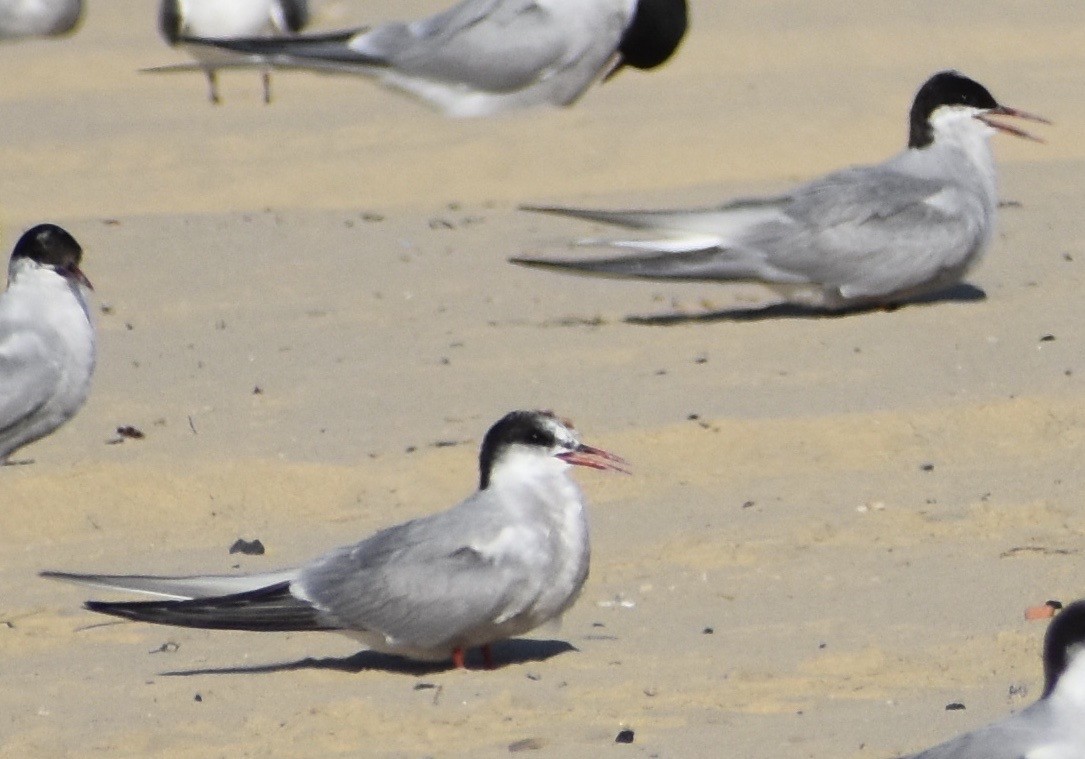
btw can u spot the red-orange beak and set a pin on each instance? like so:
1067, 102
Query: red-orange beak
1002, 110
73, 272
595, 458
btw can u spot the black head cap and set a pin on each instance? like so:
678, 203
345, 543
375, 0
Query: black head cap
50, 245
170, 21
295, 14
654, 33
1065, 633
944, 88
523, 427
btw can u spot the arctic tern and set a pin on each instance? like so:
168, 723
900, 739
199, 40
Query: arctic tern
1053, 727
47, 345
213, 19
865, 236
507, 559
481, 57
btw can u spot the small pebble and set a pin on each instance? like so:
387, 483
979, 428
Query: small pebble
248, 547
527, 744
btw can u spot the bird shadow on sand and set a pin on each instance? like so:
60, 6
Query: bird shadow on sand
505, 653
961, 293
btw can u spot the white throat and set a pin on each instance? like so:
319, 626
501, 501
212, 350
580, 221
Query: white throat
958, 131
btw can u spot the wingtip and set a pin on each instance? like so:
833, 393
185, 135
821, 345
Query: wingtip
51, 574
539, 263
552, 210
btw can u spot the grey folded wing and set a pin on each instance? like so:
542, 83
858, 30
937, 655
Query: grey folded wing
270, 609
418, 584
864, 231
870, 231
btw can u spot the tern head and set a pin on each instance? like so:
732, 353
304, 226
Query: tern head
538, 439
949, 97
1063, 644
653, 34
49, 246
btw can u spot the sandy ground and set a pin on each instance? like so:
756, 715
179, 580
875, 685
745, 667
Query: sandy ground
834, 525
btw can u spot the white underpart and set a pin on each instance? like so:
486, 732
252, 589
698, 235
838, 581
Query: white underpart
217, 19
46, 336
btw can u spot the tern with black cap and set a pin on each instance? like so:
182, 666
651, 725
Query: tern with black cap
509, 558
47, 343
1051, 728
865, 236
481, 57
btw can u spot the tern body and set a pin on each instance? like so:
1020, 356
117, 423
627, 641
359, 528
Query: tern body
47, 343
38, 18
225, 19
864, 236
1051, 728
507, 559
481, 57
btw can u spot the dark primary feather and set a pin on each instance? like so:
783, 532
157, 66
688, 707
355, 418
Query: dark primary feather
268, 609
330, 46
416, 582
696, 266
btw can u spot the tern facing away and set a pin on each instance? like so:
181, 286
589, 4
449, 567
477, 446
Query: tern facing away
179, 19
481, 57
47, 346
38, 18
507, 559
862, 237
1051, 728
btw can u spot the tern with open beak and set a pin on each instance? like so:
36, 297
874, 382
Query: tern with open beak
509, 558
863, 237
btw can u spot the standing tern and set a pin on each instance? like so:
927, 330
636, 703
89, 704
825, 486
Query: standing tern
47, 348
1051, 728
484, 56
214, 19
861, 237
508, 558
38, 18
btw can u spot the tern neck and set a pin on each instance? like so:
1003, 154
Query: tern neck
516, 468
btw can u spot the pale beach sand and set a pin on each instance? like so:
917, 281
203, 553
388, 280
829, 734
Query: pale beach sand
840, 544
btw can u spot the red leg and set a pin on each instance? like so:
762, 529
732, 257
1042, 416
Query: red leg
457, 658
488, 656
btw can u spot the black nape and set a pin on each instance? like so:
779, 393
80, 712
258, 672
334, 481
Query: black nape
944, 88
654, 33
516, 427
50, 245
